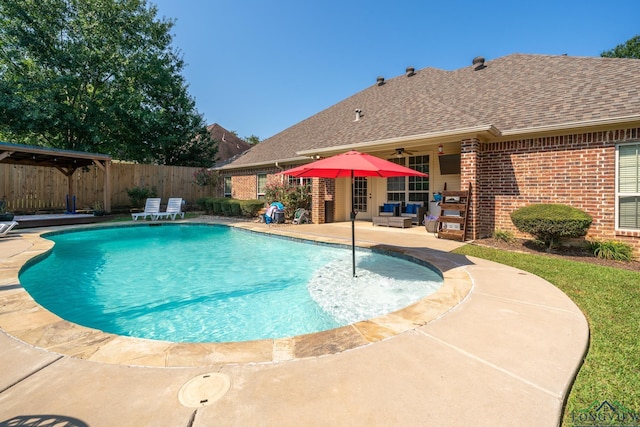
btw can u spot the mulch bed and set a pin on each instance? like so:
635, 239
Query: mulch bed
572, 253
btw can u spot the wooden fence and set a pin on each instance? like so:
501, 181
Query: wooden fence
30, 189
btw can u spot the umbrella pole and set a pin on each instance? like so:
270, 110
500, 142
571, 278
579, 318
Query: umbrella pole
353, 227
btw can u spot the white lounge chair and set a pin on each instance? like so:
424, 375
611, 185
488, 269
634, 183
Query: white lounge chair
174, 208
151, 209
5, 227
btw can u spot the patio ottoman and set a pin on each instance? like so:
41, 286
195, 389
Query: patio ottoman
399, 221
380, 220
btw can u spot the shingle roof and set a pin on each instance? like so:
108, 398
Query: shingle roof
511, 93
229, 145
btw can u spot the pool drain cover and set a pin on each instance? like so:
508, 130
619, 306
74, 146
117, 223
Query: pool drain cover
203, 390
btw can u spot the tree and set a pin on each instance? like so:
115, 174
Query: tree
629, 49
99, 76
253, 140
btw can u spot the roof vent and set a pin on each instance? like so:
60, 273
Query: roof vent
380, 80
358, 114
410, 71
478, 63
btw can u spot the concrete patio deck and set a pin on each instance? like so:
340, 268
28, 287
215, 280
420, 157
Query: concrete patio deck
497, 346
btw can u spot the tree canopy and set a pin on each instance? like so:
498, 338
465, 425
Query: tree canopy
253, 139
99, 76
629, 49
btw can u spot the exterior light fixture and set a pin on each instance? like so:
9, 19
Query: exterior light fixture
440, 149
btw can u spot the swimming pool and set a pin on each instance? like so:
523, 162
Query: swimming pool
211, 283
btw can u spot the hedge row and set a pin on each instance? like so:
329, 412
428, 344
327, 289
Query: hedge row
230, 207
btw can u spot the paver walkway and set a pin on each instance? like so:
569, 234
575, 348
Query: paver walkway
505, 354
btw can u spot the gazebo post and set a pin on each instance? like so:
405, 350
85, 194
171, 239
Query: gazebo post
107, 186
70, 188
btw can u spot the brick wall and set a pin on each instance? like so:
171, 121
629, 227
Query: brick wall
576, 170
469, 177
244, 184
321, 191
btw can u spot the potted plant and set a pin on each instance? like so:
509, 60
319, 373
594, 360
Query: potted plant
4, 214
98, 209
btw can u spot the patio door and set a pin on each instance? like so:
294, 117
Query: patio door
361, 195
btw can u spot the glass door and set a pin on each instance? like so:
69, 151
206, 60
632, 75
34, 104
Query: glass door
360, 194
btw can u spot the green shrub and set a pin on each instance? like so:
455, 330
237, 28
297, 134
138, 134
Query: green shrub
504, 236
230, 207
292, 196
611, 249
208, 205
225, 205
235, 207
216, 206
201, 203
550, 223
138, 195
250, 208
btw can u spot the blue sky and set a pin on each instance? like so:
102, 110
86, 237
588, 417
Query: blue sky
257, 67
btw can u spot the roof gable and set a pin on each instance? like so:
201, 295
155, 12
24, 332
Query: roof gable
229, 145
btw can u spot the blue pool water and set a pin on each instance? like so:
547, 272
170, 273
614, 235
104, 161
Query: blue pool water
205, 283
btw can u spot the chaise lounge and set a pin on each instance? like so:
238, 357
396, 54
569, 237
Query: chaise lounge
5, 227
174, 208
151, 209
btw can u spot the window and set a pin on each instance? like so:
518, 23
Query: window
419, 186
299, 181
227, 186
262, 185
409, 188
396, 186
628, 190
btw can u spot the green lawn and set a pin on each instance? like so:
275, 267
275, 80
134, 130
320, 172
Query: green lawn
610, 300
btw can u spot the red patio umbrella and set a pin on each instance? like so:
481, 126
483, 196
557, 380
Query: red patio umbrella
352, 164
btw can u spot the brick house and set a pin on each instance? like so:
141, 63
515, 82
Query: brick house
519, 129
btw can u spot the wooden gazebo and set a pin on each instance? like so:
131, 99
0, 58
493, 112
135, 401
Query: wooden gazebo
66, 161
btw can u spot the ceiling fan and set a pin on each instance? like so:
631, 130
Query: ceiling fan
400, 152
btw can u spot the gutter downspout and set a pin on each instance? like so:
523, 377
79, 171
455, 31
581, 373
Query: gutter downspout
281, 174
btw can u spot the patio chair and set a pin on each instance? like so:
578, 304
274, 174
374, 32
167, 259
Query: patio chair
390, 209
301, 216
414, 210
174, 208
5, 227
151, 209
